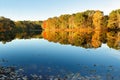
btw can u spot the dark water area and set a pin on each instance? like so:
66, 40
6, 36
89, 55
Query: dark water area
59, 54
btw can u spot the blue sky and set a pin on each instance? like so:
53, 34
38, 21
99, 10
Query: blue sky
43, 9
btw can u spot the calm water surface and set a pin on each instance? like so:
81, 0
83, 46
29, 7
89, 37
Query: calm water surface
39, 56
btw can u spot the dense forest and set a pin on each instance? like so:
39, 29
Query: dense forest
89, 19
87, 29
6, 24
19, 26
28, 25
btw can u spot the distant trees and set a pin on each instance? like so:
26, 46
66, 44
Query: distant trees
88, 19
84, 19
114, 19
78, 20
28, 25
50, 23
64, 21
57, 23
71, 21
9, 25
6, 24
98, 19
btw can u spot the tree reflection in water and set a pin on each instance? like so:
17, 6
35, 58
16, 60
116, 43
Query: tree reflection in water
85, 39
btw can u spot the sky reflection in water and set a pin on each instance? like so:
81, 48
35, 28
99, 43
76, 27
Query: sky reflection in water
34, 53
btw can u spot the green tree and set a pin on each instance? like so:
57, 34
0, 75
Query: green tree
6, 24
27, 26
71, 21
105, 22
64, 19
89, 16
114, 19
79, 20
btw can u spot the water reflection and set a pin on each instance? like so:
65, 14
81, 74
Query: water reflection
85, 39
92, 59
9, 35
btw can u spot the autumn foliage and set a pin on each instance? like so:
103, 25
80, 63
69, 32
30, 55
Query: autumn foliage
88, 19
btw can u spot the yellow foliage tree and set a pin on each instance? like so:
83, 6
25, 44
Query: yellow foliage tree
97, 19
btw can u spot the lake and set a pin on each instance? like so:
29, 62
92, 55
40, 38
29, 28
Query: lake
71, 55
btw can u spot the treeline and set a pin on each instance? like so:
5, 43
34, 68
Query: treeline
6, 24
89, 19
28, 25
19, 26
